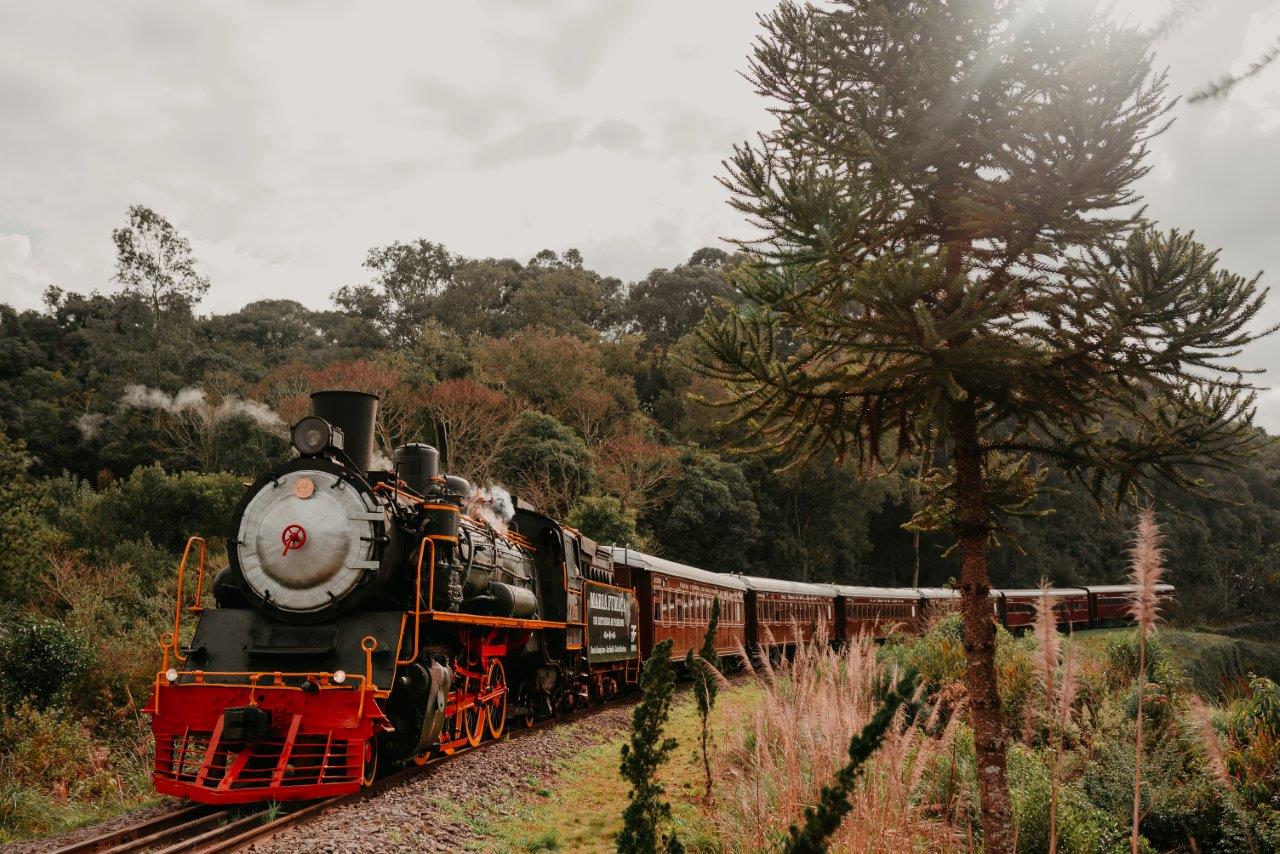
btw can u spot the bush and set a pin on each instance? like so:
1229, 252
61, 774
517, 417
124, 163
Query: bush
1082, 827
1179, 799
44, 747
42, 663
1120, 658
58, 775
1017, 678
937, 655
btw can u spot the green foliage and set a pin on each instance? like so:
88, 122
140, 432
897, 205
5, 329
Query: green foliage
820, 822
643, 755
57, 775
546, 461
711, 505
602, 518
408, 276
705, 673
42, 662
1120, 657
1258, 713
667, 304
25, 538
937, 655
150, 505
1178, 799
1083, 828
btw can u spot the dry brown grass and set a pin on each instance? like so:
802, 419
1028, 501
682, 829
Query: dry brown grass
780, 753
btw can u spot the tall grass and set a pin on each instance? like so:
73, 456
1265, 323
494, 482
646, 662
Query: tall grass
1146, 568
1059, 695
784, 749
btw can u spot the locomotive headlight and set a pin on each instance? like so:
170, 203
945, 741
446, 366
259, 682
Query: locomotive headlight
339, 676
171, 675
313, 434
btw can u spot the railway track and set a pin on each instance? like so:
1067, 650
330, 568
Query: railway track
211, 830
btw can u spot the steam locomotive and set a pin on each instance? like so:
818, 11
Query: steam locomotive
383, 615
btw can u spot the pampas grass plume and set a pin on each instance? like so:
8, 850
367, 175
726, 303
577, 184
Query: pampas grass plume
1146, 568
1048, 642
1212, 746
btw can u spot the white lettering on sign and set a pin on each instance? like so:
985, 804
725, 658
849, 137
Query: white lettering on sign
610, 602
611, 624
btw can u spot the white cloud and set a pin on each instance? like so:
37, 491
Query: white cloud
22, 277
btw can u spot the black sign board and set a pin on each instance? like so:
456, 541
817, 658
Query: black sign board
612, 616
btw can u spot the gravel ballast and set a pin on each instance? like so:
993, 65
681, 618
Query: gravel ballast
448, 808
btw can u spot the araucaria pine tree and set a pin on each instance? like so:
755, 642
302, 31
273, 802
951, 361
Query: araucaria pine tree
644, 754
949, 254
705, 673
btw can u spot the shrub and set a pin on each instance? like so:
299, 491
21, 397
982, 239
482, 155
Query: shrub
58, 775
42, 662
45, 747
644, 755
148, 506
937, 655
1121, 659
1083, 828
1016, 678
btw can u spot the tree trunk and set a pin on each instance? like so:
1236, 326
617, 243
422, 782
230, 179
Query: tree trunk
973, 532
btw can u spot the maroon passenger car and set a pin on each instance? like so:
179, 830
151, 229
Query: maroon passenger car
675, 602
874, 611
782, 613
1070, 604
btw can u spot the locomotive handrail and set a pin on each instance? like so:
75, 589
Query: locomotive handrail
196, 606
418, 611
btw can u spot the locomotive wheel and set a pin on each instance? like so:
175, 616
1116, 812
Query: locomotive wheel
496, 712
472, 718
369, 766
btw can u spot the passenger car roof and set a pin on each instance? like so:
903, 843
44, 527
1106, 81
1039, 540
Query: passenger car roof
880, 592
1034, 592
640, 560
777, 585
1124, 588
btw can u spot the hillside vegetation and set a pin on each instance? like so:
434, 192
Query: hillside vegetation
130, 421
779, 735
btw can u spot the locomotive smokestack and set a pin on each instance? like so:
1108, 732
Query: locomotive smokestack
354, 413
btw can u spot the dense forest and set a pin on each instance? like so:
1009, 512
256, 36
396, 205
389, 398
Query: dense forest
131, 420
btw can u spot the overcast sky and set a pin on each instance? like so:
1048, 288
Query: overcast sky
286, 139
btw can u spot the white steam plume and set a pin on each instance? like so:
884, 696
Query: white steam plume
90, 423
493, 504
192, 399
